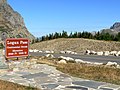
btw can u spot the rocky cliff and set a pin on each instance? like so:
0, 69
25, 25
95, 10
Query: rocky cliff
12, 23
114, 29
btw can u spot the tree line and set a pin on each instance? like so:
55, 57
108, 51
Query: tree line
84, 34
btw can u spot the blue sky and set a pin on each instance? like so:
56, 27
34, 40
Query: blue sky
48, 16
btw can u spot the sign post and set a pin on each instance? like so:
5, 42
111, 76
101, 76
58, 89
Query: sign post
16, 47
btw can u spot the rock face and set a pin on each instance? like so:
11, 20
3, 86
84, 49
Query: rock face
115, 29
12, 23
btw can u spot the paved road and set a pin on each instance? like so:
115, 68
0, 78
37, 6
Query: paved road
90, 58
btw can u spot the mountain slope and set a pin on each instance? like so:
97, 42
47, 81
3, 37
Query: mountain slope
114, 29
12, 23
76, 44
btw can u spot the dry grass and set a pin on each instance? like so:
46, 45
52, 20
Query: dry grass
76, 44
86, 71
98, 73
4, 85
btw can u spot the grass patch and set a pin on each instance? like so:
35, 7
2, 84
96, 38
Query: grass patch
86, 71
98, 73
4, 85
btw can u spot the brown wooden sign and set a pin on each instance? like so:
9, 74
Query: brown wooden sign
16, 47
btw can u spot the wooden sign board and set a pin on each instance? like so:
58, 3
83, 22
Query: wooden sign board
16, 47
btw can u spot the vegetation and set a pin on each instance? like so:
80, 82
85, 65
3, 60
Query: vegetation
102, 73
4, 85
88, 35
98, 73
1, 46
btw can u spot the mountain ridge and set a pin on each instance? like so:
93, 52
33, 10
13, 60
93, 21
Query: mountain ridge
12, 23
114, 29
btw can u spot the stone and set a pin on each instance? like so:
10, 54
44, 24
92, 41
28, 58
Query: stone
47, 52
40, 51
62, 52
77, 87
50, 86
93, 52
100, 53
62, 62
68, 52
87, 52
3, 65
111, 63
49, 56
113, 52
67, 58
35, 50
90, 84
106, 53
41, 74
110, 87
96, 63
31, 50
79, 61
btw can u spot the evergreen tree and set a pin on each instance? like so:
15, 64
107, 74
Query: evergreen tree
64, 34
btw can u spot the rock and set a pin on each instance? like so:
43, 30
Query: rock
31, 50
76, 53
79, 61
52, 52
67, 58
115, 25
88, 62
35, 50
96, 63
87, 52
40, 51
47, 52
12, 22
106, 53
92, 52
62, 52
117, 54
100, 53
62, 62
49, 56
68, 52
111, 63
73, 53
118, 66
113, 52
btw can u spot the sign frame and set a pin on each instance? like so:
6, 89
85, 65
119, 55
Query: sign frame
6, 56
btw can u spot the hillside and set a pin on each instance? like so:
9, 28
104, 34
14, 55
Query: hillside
76, 44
